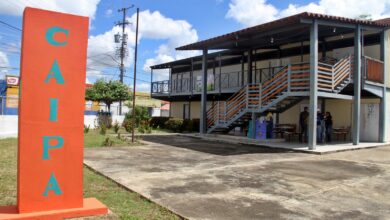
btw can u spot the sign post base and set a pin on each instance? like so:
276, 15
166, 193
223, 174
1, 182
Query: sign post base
91, 207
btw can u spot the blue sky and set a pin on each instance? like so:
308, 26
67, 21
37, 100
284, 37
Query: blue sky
164, 26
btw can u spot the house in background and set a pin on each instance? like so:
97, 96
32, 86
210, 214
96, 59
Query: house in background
336, 64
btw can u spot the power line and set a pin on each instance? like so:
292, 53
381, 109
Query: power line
10, 26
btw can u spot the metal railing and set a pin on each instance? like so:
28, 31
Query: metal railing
291, 78
160, 87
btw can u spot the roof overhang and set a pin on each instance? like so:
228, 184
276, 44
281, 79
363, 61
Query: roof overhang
282, 31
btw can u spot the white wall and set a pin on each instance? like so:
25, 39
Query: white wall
9, 124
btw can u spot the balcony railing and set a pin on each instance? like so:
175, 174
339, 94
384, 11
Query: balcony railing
331, 76
373, 70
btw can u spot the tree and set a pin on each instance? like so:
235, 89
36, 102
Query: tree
107, 92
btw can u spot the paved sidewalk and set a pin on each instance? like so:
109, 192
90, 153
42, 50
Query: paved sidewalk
200, 179
333, 147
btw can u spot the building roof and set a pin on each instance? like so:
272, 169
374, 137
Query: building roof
219, 42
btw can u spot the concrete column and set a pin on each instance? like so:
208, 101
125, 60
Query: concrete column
357, 85
203, 102
254, 125
249, 75
242, 70
192, 77
312, 126
384, 44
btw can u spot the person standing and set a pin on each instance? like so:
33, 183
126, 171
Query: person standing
270, 125
328, 126
320, 127
303, 121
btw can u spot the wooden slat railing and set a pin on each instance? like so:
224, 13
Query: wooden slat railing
374, 70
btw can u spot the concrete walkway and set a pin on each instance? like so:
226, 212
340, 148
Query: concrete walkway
199, 179
336, 146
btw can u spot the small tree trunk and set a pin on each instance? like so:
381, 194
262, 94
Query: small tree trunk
109, 107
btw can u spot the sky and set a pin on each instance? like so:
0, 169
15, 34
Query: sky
164, 25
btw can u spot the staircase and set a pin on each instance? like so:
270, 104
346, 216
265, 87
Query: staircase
287, 88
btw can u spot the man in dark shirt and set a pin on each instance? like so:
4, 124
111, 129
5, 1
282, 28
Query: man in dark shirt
303, 121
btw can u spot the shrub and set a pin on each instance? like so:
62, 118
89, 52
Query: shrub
116, 127
174, 124
127, 124
141, 115
86, 129
195, 124
104, 118
107, 142
103, 130
191, 125
141, 129
158, 122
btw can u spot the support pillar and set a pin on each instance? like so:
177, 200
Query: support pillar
253, 125
203, 102
242, 70
357, 85
192, 77
312, 126
249, 76
384, 44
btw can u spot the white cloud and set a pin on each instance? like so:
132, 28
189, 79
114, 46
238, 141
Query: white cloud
3, 59
153, 26
143, 87
253, 12
78, 7
108, 13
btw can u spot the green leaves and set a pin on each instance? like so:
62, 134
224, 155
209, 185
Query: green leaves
108, 92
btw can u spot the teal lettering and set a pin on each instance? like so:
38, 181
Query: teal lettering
50, 36
55, 73
47, 146
52, 185
53, 109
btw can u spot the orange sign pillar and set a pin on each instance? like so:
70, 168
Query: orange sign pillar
51, 117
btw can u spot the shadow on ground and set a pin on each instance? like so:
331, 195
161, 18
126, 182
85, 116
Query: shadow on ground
221, 149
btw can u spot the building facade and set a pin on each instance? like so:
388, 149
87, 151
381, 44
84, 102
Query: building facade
330, 63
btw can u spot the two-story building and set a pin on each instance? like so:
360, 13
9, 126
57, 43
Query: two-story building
331, 63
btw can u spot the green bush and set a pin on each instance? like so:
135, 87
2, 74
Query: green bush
107, 142
191, 125
116, 127
104, 118
103, 130
174, 124
86, 129
195, 124
127, 124
141, 115
141, 129
158, 122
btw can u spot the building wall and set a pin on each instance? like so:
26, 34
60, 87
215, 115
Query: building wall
177, 109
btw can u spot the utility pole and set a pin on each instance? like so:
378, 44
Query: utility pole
122, 51
135, 75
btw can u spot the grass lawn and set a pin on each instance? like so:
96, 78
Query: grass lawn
94, 139
125, 204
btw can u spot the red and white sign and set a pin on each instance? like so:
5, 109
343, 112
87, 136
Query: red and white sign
12, 80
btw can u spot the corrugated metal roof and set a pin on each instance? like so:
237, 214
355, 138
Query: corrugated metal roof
294, 19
